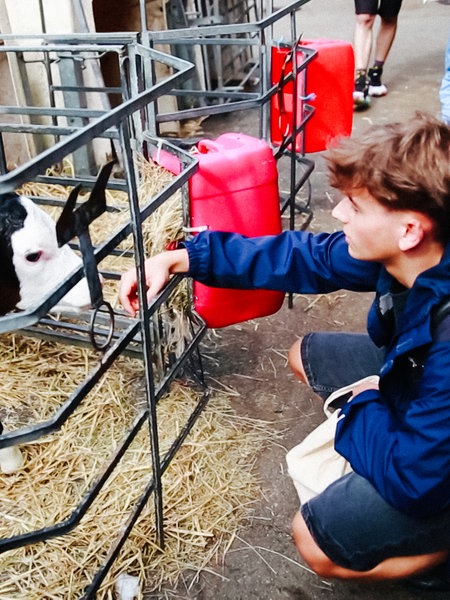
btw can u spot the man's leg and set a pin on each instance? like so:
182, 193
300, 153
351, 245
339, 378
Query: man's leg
327, 361
385, 38
363, 37
391, 568
388, 11
362, 48
295, 361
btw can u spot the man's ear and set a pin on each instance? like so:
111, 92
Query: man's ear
415, 227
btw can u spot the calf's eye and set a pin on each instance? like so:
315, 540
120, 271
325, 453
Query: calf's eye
33, 257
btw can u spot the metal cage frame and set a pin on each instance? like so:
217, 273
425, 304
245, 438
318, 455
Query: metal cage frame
126, 127
132, 125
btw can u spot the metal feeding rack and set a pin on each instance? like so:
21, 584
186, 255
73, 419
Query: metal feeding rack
254, 87
226, 68
75, 130
74, 120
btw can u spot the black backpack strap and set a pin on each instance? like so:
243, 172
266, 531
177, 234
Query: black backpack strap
440, 321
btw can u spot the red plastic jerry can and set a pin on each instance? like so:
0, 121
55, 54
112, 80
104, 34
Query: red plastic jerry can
235, 189
329, 89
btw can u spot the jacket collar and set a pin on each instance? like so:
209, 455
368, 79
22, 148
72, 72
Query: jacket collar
430, 288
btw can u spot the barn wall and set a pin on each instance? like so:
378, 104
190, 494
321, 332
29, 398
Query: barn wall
24, 17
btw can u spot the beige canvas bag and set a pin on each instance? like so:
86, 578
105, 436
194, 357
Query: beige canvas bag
314, 464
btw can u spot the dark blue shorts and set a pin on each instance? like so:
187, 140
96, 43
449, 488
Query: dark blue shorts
333, 360
350, 521
385, 8
357, 529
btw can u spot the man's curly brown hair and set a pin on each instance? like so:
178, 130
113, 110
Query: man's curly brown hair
405, 166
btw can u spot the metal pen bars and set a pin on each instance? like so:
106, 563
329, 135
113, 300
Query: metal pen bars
75, 120
251, 85
77, 129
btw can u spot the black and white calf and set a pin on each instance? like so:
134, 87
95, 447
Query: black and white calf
31, 267
31, 263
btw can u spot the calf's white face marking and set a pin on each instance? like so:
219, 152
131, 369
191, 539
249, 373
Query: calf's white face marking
31, 267
40, 265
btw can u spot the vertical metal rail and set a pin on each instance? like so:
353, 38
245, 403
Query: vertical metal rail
145, 328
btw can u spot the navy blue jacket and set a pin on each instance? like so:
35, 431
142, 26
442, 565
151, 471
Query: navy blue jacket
398, 437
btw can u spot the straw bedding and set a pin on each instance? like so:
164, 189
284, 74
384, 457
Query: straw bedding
208, 489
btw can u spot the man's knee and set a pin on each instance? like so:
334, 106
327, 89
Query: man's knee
365, 21
391, 568
309, 550
295, 361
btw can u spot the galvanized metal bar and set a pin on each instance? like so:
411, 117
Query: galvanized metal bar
74, 141
69, 524
53, 112
33, 432
99, 577
233, 28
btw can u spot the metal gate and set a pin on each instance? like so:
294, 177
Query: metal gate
76, 128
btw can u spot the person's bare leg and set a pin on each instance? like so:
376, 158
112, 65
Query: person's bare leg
363, 39
385, 38
384, 41
295, 361
391, 568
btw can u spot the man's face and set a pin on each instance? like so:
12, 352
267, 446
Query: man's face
371, 230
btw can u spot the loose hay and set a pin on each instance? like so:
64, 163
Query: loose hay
208, 489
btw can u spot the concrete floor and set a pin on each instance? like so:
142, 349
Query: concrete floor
263, 565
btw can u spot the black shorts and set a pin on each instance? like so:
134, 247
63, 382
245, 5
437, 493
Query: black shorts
350, 522
385, 8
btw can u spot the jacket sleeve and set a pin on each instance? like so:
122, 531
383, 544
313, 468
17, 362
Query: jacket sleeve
408, 459
293, 261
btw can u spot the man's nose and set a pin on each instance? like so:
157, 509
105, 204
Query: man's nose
339, 211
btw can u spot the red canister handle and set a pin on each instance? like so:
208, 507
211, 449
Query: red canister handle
205, 146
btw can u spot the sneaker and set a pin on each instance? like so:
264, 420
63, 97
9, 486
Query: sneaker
361, 99
376, 88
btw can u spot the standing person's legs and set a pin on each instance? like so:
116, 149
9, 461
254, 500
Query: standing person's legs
365, 11
363, 39
388, 12
385, 38
444, 90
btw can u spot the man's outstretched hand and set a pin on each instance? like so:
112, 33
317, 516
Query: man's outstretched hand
158, 270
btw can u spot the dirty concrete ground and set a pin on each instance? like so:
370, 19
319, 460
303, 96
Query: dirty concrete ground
251, 357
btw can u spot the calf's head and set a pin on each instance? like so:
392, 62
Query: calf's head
31, 263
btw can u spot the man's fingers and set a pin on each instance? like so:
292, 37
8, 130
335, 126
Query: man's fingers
128, 292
